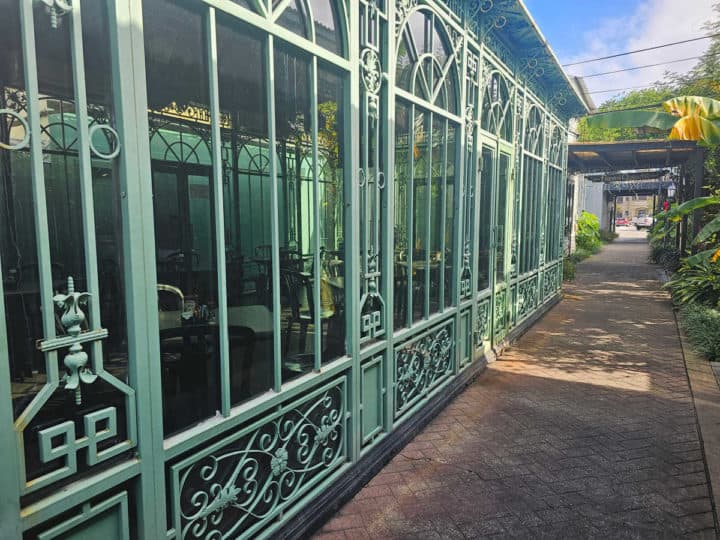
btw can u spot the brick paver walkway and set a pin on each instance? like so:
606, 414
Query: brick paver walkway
585, 428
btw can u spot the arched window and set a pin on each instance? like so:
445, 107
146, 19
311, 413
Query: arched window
320, 21
427, 60
427, 133
534, 136
556, 145
496, 106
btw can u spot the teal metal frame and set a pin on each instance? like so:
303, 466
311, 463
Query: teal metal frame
245, 484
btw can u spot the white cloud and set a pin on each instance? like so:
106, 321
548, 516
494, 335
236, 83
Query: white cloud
654, 22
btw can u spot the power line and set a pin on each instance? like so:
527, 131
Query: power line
640, 50
621, 89
698, 80
647, 66
636, 108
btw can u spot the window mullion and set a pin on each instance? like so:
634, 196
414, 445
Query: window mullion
409, 215
317, 274
443, 220
86, 181
428, 210
274, 218
217, 179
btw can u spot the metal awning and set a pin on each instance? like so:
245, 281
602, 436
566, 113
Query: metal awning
628, 155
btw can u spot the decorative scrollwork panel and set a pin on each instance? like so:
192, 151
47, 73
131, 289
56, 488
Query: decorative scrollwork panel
237, 486
551, 279
527, 299
421, 364
482, 322
500, 313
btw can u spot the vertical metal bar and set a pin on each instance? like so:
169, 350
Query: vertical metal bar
443, 214
317, 271
387, 125
127, 57
522, 185
274, 224
351, 215
409, 224
9, 466
364, 192
218, 203
86, 179
428, 212
38, 181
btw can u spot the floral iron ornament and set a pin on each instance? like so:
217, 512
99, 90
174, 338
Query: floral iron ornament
57, 8
72, 319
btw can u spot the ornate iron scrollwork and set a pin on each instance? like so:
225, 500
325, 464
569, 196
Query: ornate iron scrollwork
372, 304
402, 10
244, 481
482, 326
57, 8
76, 359
421, 364
26, 131
527, 297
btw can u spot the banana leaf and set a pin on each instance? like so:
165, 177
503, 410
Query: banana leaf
620, 119
686, 208
708, 230
695, 128
688, 118
693, 106
698, 258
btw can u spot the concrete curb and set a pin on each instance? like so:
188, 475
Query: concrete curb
706, 399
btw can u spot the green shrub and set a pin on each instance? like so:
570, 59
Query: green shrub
588, 231
607, 236
666, 256
568, 269
581, 254
696, 283
702, 327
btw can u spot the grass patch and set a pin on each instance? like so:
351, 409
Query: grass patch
701, 325
607, 236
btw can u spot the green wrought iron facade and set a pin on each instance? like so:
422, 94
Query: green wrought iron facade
243, 242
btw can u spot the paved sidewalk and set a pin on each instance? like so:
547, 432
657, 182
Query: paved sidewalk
585, 428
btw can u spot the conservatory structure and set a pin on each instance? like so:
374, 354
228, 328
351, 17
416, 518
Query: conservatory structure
248, 246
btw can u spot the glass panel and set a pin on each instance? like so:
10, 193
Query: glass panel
18, 236
485, 230
435, 216
405, 62
503, 178
450, 204
297, 212
184, 219
401, 234
421, 219
293, 17
529, 240
246, 4
424, 41
327, 25
331, 166
247, 191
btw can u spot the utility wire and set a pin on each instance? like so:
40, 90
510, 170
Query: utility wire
622, 89
699, 80
647, 66
640, 50
636, 108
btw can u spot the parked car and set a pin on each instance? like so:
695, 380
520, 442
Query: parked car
643, 222
621, 222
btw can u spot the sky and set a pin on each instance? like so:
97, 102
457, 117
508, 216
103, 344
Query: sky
584, 29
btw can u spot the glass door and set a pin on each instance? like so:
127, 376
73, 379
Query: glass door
493, 245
